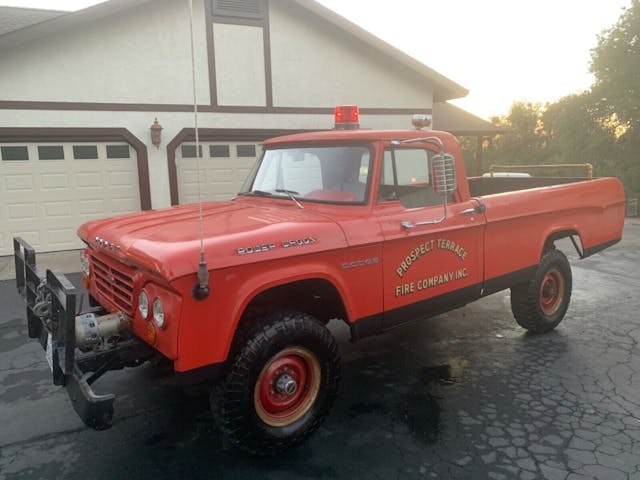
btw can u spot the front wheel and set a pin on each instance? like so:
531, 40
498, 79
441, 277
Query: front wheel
280, 386
541, 304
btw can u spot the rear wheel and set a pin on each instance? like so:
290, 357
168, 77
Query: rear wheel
280, 386
541, 304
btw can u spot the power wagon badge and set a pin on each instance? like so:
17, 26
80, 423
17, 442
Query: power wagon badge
267, 247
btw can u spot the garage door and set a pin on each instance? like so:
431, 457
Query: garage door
48, 190
223, 169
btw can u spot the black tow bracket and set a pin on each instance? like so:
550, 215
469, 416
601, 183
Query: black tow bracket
51, 316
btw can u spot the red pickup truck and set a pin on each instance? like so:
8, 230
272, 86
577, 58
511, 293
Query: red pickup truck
374, 228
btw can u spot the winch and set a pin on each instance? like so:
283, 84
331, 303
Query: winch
93, 331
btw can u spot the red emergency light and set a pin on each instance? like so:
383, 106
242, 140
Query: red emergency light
346, 117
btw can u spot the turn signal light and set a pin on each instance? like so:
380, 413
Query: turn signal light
346, 117
152, 335
85, 268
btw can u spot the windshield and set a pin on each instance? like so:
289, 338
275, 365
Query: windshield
321, 174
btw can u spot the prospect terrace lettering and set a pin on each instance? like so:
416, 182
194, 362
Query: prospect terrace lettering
427, 247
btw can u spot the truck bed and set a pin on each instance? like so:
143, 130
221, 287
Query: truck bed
480, 186
521, 214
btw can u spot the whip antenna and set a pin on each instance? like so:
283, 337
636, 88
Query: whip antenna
201, 289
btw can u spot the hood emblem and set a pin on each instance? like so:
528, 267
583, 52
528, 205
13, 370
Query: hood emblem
267, 247
106, 244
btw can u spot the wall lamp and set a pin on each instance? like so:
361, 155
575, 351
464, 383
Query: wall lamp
156, 133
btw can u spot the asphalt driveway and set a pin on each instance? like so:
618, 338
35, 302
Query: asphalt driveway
465, 395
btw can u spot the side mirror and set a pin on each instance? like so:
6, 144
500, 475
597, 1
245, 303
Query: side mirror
444, 174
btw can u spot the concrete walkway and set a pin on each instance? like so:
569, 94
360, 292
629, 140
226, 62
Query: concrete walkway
66, 262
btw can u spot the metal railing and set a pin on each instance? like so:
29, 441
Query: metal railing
587, 166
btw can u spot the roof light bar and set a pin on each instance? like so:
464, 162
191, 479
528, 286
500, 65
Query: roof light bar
346, 117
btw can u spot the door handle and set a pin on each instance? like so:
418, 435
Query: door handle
480, 208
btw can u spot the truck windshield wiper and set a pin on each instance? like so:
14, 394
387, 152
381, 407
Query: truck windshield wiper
291, 194
258, 193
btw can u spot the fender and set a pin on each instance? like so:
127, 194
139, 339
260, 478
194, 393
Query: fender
207, 328
556, 232
266, 281
359, 288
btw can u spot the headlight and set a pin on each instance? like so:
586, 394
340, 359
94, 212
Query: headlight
158, 313
143, 304
85, 266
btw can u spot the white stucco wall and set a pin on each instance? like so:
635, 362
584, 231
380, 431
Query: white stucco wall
139, 56
239, 57
315, 64
143, 56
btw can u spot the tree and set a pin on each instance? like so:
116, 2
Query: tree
600, 126
615, 62
524, 141
575, 134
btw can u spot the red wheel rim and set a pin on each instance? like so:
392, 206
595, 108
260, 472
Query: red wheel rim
551, 292
287, 387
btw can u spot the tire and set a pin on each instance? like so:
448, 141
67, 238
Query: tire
541, 304
280, 386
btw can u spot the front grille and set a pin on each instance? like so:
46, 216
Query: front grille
114, 282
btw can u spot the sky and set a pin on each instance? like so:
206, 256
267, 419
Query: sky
500, 50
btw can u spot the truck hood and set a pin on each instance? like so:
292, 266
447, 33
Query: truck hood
235, 233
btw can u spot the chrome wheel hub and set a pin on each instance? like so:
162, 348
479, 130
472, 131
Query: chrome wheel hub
286, 384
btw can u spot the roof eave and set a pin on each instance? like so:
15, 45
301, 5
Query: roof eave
443, 88
448, 92
454, 119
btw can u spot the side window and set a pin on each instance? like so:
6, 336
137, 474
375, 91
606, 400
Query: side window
408, 178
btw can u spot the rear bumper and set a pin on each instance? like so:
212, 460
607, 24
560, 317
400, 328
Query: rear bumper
51, 313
